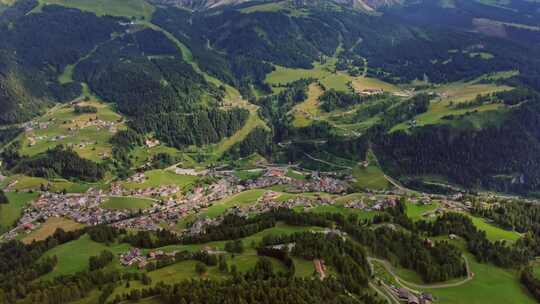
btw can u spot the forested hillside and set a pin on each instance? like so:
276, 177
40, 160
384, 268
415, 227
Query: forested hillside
174, 75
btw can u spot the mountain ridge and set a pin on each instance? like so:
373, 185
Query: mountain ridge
367, 5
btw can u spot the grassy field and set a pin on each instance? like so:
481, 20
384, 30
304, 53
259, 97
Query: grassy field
415, 211
73, 256
493, 232
362, 214
127, 203
453, 94
61, 125
364, 83
10, 213
49, 227
370, 177
303, 268
304, 113
490, 285
328, 76
141, 155
279, 229
156, 178
240, 199
139, 9
27, 183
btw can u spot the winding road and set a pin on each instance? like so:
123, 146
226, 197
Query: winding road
407, 284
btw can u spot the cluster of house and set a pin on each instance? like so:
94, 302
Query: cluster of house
150, 143
111, 126
161, 191
32, 140
32, 125
318, 182
370, 92
83, 208
383, 204
190, 172
406, 296
136, 257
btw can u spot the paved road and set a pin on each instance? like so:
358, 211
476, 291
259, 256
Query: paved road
407, 284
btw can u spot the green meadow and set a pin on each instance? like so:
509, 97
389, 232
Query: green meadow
139, 9
156, 178
73, 256
370, 176
127, 203
415, 211
493, 232
490, 285
240, 199
61, 125
456, 93
10, 213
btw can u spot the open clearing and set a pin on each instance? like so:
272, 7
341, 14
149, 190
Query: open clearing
415, 211
49, 227
493, 232
73, 256
490, 285
370, 176
240, 199
139, 9
127, 203
306, 112
88, 134
453, 94
10, 213
29, 183
156, 178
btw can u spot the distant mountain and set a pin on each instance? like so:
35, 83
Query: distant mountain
368, 5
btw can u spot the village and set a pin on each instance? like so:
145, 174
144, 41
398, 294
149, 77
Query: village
172, 204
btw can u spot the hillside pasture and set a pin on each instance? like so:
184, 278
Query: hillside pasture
87, 134
10, 213
139, 9
452, 94
49, 227
156, 178
73, 256
240, 199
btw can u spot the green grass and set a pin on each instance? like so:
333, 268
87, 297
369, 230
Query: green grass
493, 232
362, 214
490, 285
10, 213
268, 7
158, 178
88, 141
49, 228
295, 175
370, 177
304, 113
279, 229
303, 268
240, 199
139, 9
415, 211
455, 93
246, 174
186, 270
73, 256
127, 203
